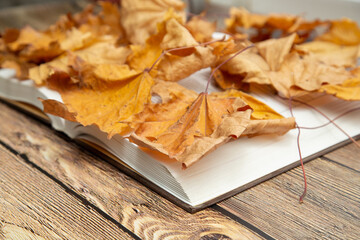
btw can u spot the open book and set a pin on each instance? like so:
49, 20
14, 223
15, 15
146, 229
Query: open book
226, 171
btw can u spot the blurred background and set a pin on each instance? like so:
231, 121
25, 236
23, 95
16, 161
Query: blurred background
216, 9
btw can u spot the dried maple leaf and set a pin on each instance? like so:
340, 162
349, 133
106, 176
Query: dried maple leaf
76, 39
342, 32
139, 18
99, 53
306, 73
243, 18
265, 25
207, 123
189, 58
32, 45
249, 66
201, 29
228, 46
58, 109
275, 50
264, 120
109, 108
331, 53
158, 117
348, 90
168, 68
260, 109
105, 22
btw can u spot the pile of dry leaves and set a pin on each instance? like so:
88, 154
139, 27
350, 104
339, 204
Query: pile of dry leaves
108, 64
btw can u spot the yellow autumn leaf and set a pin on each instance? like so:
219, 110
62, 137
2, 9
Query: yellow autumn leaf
331, 53
108, 108
342, 32
348, 90
264, 119
140, 18
207, 123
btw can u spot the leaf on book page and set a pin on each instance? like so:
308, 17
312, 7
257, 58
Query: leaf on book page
260, 109
248, 66
57, 108
207, 123
158, 117
306, 73
264, 120
107, 107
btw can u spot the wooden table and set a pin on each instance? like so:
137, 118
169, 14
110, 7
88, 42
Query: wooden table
51, 188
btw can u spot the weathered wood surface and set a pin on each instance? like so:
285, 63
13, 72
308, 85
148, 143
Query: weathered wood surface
331, 209
33, 206
120, 197
348, 156
115, 194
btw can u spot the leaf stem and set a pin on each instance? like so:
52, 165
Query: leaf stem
224, 62
331, 121
301, 199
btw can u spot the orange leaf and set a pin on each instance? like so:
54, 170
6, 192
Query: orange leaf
264, 120
171, 35
207, 123
331, 53
275, 50
140, 18
348, 90
33, 45
109, 108
201, 29
306, 73
342, 32
57, 109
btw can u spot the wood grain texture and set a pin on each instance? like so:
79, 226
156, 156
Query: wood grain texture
348, 155
32, 206
141, 211
330, 209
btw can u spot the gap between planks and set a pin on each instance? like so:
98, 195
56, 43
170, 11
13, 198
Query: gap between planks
128, 202
33, 205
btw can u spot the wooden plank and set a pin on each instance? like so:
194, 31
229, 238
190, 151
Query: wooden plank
330, 209
125, 200
348, 156
33, 206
